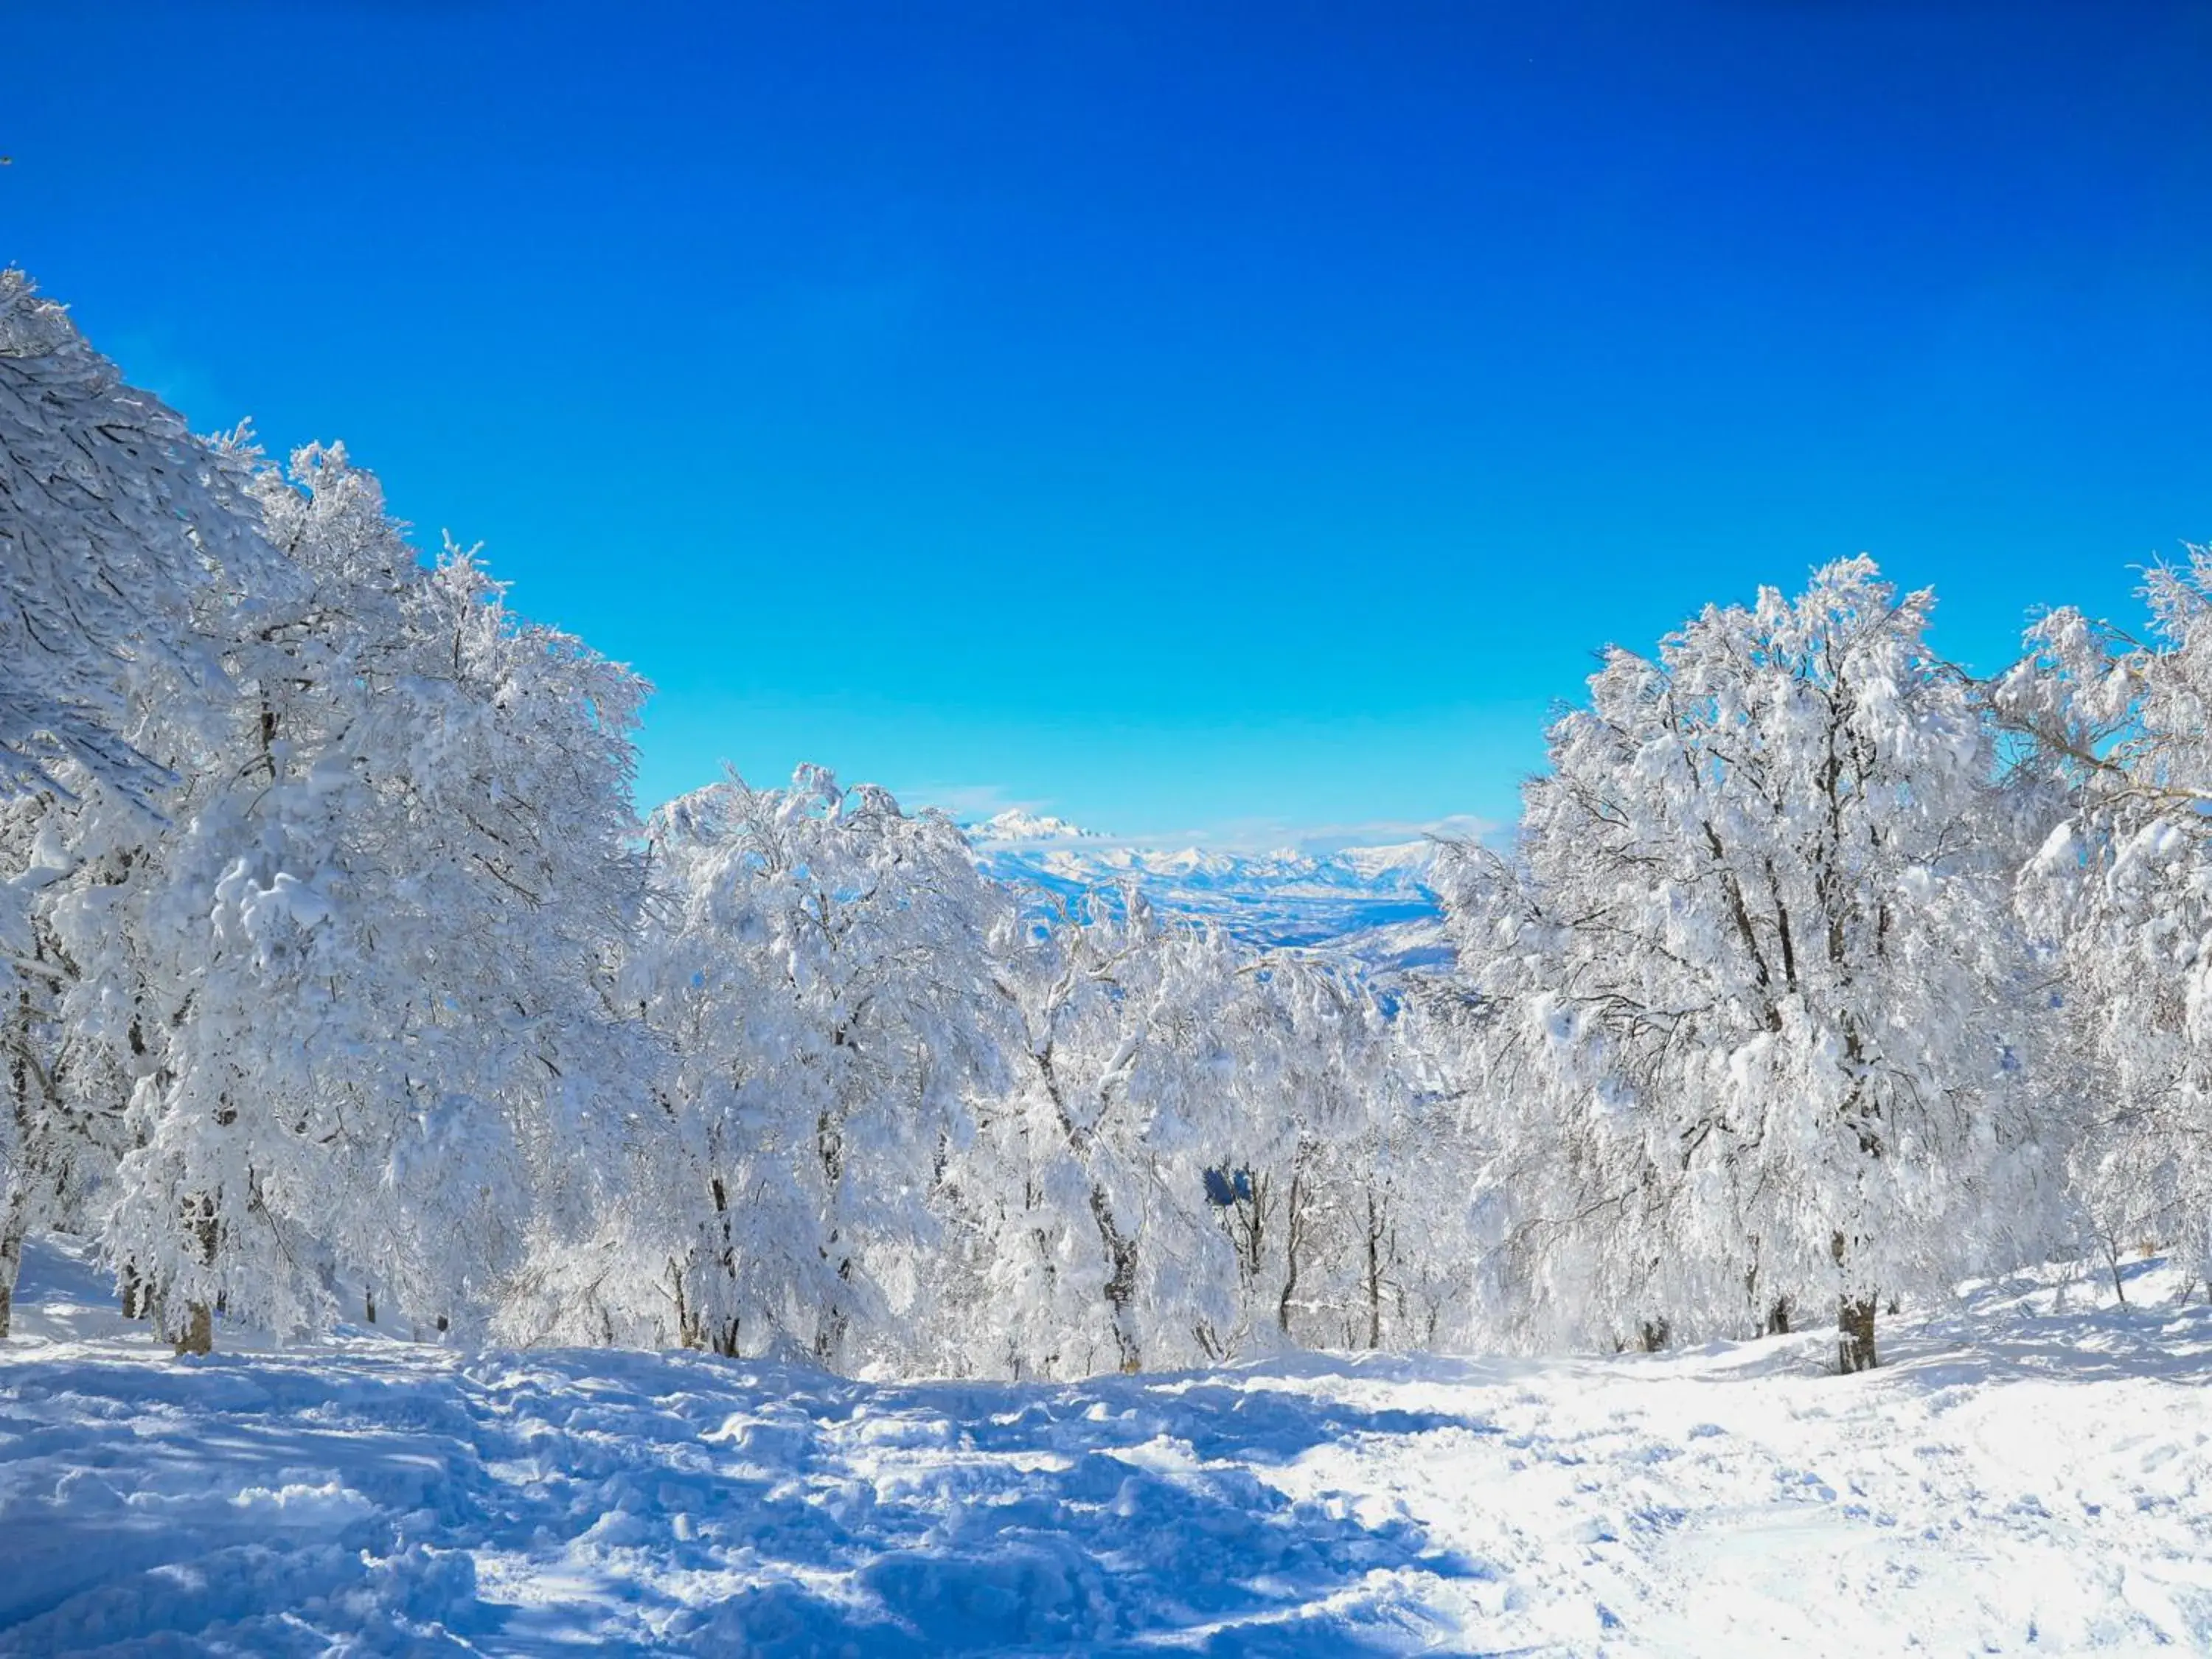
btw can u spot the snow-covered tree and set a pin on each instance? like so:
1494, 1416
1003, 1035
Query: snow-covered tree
334, 954
375, 947
1755, 994
1094, 1164
126, 547
112, 516
1151, 1188
817, 970
1395, 1238
2120, 894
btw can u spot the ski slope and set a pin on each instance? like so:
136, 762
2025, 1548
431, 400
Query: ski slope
2031, 1473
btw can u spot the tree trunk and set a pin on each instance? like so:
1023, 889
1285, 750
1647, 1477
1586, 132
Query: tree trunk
1374, 1272
1121, 1248
1297, 1228
1855, 1335
1121, 1284
199, 1334
15, 1223
15, 1217
1854, 1319
836, 1315
1777, 1317
724, 1339
1252, 1219
688, 1335
11, 1263
836, 1318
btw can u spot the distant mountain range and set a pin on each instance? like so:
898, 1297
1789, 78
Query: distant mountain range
1374, 904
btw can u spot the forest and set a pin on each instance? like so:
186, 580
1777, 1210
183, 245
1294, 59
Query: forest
346, 983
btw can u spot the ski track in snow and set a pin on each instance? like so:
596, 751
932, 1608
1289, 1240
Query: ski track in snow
2032, 1474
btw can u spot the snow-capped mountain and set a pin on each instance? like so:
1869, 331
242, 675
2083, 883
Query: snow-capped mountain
1375, 903
1015, 826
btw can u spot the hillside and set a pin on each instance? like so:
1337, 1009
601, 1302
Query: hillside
2031, 1474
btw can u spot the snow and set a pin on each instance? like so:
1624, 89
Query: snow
2030, 1473
1374, 905
1017, 825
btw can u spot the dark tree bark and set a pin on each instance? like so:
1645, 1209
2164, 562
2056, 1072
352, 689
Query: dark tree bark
1122, 1285
197, 1335
1375, 1226
1121, 1247
11, 1263
1296, 1228
1855, 1335
1854, 1321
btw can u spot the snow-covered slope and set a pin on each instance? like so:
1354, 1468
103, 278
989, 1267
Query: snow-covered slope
1374, 903
2032, 1474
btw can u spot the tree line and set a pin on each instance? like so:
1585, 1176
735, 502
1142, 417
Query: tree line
344, 983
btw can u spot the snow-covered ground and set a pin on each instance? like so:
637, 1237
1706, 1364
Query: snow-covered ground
2031, 1473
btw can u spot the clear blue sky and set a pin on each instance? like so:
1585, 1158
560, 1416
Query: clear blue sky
1177, 416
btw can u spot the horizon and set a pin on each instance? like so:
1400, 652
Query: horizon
1209, 432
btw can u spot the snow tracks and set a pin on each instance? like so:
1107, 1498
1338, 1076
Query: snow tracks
2021, 1481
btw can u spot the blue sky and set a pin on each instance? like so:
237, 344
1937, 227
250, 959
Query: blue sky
1245, 419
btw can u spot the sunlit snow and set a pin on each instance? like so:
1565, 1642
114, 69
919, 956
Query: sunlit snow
2032, 1474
